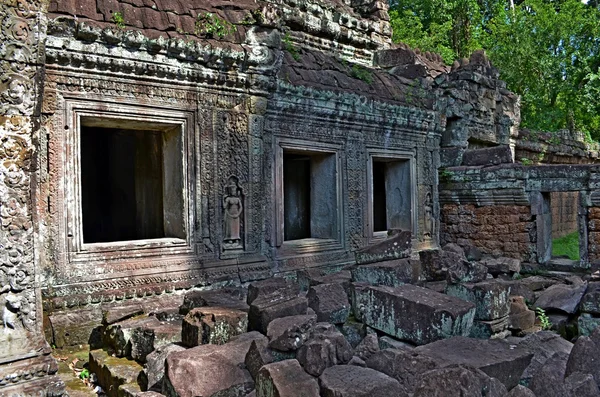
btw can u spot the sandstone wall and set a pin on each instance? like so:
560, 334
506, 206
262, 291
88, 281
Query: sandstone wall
593, 233
498, 229
564, 207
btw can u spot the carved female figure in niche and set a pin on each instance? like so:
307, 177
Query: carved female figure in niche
233, 206
428, 215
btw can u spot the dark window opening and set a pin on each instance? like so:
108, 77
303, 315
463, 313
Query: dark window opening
379, 205
310, 195
131, 187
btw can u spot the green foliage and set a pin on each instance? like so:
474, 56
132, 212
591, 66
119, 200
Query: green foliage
290, 47
567, 246
526, 161
361, 73
118, 19
445, 175
211, 25
84, 374
544, 320
548, 51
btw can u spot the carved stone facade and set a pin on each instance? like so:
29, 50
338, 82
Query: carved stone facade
91, 87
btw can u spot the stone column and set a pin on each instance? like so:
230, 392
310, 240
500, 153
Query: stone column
26, 367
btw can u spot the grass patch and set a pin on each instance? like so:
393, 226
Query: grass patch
567, 246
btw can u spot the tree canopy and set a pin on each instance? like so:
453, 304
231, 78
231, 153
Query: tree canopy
548, 51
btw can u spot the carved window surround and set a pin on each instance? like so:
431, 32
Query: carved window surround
306, 245
86, 113
391, 156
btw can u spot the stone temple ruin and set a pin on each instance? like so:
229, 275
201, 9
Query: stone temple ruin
261, 191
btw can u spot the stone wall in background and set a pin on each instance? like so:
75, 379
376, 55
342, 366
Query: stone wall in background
565, 206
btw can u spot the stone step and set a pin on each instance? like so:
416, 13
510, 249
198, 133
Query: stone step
414, 314
118, 377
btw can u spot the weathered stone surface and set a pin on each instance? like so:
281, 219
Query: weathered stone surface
154, 369
491, 298
113, 314
388, 273
486, 329
586, 324
584, 356
386, 342
549, 379
330, 303
267, 308
353, 331
137, 337
488, 156
579, 384
289, 333
542, 345
285, 379
466, 272
367, 347
326, 348
520, 318
113, 372
358, 299
458, 381
257, 356
276, 288
214, 325
311, 277
74, 328
209, 369
355, 381
416, 314
501, 265
494, 357
590, 303
359, 362
457, 249
395, 247
435, 263
403, 365
230, 297
561, 297
520, 391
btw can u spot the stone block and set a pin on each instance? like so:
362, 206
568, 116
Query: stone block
113, 372
75, 327
154, 370
497, 358
388, 273
326, 348
502, 265
584, 356
386, 342
396, 246
579, 384
590, 303
520, 391
491, 329
206, 370
355, 381
491, 298
586, 324
358, 295
230, 298
561, 297
118, 335
330, 303
435, 263
289, 333
276, 288
312, 277
257, 356
267, 308
213, 325
443, 382
542, 345
402, 365
466, 272
285, 379
416, 314
548, 380
353, 331
114, 314
367, 347
488, 156
145, 340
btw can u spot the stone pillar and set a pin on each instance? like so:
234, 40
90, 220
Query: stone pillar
26, 367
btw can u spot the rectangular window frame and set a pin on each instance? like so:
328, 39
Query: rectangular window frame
374, 154
306, 245
122, 114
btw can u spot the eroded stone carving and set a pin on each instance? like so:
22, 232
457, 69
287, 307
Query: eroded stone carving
233, 208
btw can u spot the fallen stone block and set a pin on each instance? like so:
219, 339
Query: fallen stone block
584, 356
502, 265
416, 314
140, 336
289, 333
466, 272
590, 303
490, 329
285, 379
542, 345
206, 370
389, 273
267, 308
586, 324
330, 303
548, 381
491, 298
358, 295
367, 347
154, 370
458, 381
276, 288
230, 298
213, 325
494, 357
396, 246
113, 372
74, 328
561, 297
435, 263
579, 384
258, 355
386, 342
326, 348
520, 391
403, 365
114, 314
353, 331
312, 277
355, 381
